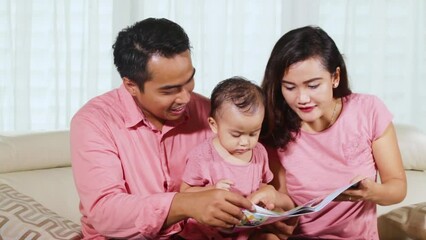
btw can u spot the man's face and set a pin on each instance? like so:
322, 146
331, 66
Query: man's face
167, 93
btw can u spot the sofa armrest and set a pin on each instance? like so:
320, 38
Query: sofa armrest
33, 151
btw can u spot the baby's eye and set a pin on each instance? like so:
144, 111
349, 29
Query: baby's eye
254, 134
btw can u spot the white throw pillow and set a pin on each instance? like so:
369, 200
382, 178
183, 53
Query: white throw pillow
21, 217
412, 144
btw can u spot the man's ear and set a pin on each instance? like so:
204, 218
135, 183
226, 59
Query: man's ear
212, 124
130, 86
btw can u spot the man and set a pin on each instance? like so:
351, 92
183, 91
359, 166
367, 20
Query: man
128, 146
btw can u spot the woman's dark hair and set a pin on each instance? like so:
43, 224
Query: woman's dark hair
136, 44
245, 95
282, 124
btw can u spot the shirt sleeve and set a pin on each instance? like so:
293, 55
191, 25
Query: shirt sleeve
381, 117
107, 205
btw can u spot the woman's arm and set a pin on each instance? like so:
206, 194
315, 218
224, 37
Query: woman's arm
393, 186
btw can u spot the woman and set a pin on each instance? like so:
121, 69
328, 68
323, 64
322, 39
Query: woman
321, 136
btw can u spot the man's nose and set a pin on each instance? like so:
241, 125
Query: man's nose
184, 96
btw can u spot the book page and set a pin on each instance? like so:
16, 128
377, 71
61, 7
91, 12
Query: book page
264, 216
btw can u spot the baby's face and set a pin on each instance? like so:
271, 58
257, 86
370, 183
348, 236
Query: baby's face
238, 132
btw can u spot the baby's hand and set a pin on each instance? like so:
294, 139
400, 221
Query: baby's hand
224, 184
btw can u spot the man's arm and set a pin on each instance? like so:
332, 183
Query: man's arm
107, 205
216, 208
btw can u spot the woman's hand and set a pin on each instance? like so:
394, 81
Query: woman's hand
363, 191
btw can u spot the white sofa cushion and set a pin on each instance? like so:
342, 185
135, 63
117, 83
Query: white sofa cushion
412, 144
415, 191
34, 151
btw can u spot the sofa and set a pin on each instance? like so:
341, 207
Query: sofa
407, 220
38, 199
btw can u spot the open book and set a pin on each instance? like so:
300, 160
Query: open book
263, 216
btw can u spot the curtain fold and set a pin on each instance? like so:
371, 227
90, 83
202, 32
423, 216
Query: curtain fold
56, 55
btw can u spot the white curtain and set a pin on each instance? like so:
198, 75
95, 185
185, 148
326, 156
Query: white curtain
56, 54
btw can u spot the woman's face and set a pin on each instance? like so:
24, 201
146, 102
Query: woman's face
307, 87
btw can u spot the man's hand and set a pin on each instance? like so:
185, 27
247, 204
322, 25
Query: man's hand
216, 208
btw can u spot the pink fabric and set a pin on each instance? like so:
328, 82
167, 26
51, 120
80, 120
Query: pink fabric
206, 167
316, 164
126, 171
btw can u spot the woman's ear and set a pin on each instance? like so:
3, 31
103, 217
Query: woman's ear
130, 86
212, 124
335, 78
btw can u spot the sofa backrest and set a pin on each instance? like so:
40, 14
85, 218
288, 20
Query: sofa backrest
21, 152
32, 151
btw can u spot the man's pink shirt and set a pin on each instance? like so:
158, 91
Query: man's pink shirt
126, 171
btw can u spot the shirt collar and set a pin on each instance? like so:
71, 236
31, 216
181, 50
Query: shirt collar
134, 115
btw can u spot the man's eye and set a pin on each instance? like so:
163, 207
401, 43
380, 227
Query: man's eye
169, 92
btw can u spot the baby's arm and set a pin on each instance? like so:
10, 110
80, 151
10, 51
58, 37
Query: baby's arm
224, 184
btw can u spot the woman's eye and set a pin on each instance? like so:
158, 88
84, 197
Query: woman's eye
313, 86
289, 87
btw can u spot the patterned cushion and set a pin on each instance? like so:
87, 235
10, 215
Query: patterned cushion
21, 217
407, 222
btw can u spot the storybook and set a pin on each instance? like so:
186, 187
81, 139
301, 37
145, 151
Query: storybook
263, 216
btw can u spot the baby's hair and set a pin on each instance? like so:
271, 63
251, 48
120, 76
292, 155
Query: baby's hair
245, 95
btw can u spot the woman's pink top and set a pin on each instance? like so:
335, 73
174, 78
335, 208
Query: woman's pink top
318, 163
